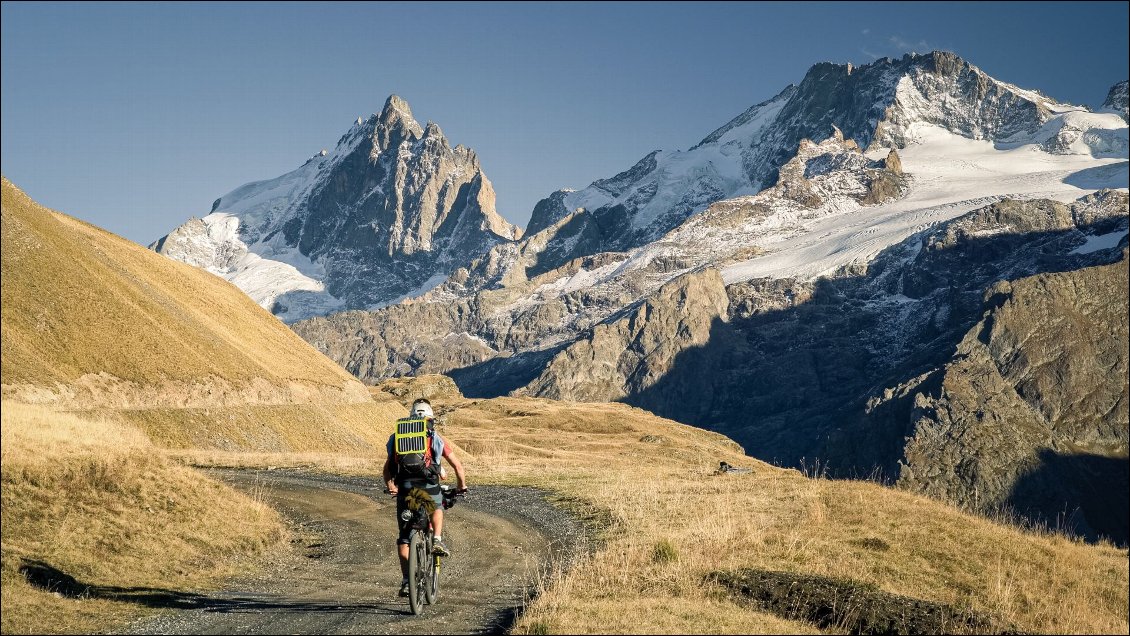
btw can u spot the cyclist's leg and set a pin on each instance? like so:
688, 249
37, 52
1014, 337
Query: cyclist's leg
437, 521
402, 550
438, 546
402, 535
433, 491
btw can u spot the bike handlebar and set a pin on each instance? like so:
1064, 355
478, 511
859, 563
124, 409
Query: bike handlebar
446, 490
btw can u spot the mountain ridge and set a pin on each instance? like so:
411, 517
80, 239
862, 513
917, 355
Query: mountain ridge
875, 105
736, 233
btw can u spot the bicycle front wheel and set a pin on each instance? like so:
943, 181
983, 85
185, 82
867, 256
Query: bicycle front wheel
418, 570
431, 592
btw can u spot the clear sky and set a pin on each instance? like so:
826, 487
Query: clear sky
136, 116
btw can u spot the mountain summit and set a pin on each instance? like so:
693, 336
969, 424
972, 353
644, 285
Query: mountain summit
388, 213
885, 104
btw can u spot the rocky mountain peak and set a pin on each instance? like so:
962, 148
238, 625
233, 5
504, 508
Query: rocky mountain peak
945, 63
1116, 100
389, 213
396, 106
876, 103
396, 124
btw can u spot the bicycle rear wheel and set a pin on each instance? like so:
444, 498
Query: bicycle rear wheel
417, 572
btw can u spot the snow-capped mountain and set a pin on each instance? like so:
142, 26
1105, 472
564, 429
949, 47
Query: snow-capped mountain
787, 280
886, 104
947, 139
388, 213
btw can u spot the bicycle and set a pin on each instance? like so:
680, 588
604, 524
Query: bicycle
423, 566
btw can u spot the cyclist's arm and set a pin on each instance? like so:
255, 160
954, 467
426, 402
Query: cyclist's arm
389, 475
460, 476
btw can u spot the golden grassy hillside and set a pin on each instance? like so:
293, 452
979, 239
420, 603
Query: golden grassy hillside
96, 501
674, 522
320, 428
91, 319
147, 354
671, 522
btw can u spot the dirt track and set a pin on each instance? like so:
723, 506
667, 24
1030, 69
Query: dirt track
342, 575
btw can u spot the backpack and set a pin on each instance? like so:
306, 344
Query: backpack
412, 447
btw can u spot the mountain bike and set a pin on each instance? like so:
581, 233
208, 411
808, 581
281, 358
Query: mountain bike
423, 566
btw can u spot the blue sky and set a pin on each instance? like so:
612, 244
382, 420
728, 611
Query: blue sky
136, 116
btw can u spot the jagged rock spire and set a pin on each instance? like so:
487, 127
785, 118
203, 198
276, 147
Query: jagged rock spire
395, 123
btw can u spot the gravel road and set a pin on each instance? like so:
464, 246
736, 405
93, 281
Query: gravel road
341, 574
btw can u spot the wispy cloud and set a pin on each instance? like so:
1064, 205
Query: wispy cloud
876, 46
904, 46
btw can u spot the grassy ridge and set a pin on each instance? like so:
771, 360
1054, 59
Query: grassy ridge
79, 301
151, 354
97, 501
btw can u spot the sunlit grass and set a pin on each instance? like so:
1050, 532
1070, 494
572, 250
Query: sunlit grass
652, 484
666, 521
91, 319
97, 501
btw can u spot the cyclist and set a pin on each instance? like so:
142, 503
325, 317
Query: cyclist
399, 485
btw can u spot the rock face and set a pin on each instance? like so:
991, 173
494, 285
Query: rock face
392, 210
1036, 395
630, 354
504, 306
1116, 99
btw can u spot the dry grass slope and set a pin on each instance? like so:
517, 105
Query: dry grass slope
96, 501
672, 522
100, 321
280, 428
149, 355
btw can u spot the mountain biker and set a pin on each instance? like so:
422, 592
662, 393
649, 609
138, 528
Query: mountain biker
399, 485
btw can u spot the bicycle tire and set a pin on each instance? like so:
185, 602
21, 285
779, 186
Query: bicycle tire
431, 591
417, 576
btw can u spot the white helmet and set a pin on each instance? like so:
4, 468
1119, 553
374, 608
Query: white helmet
422, 408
